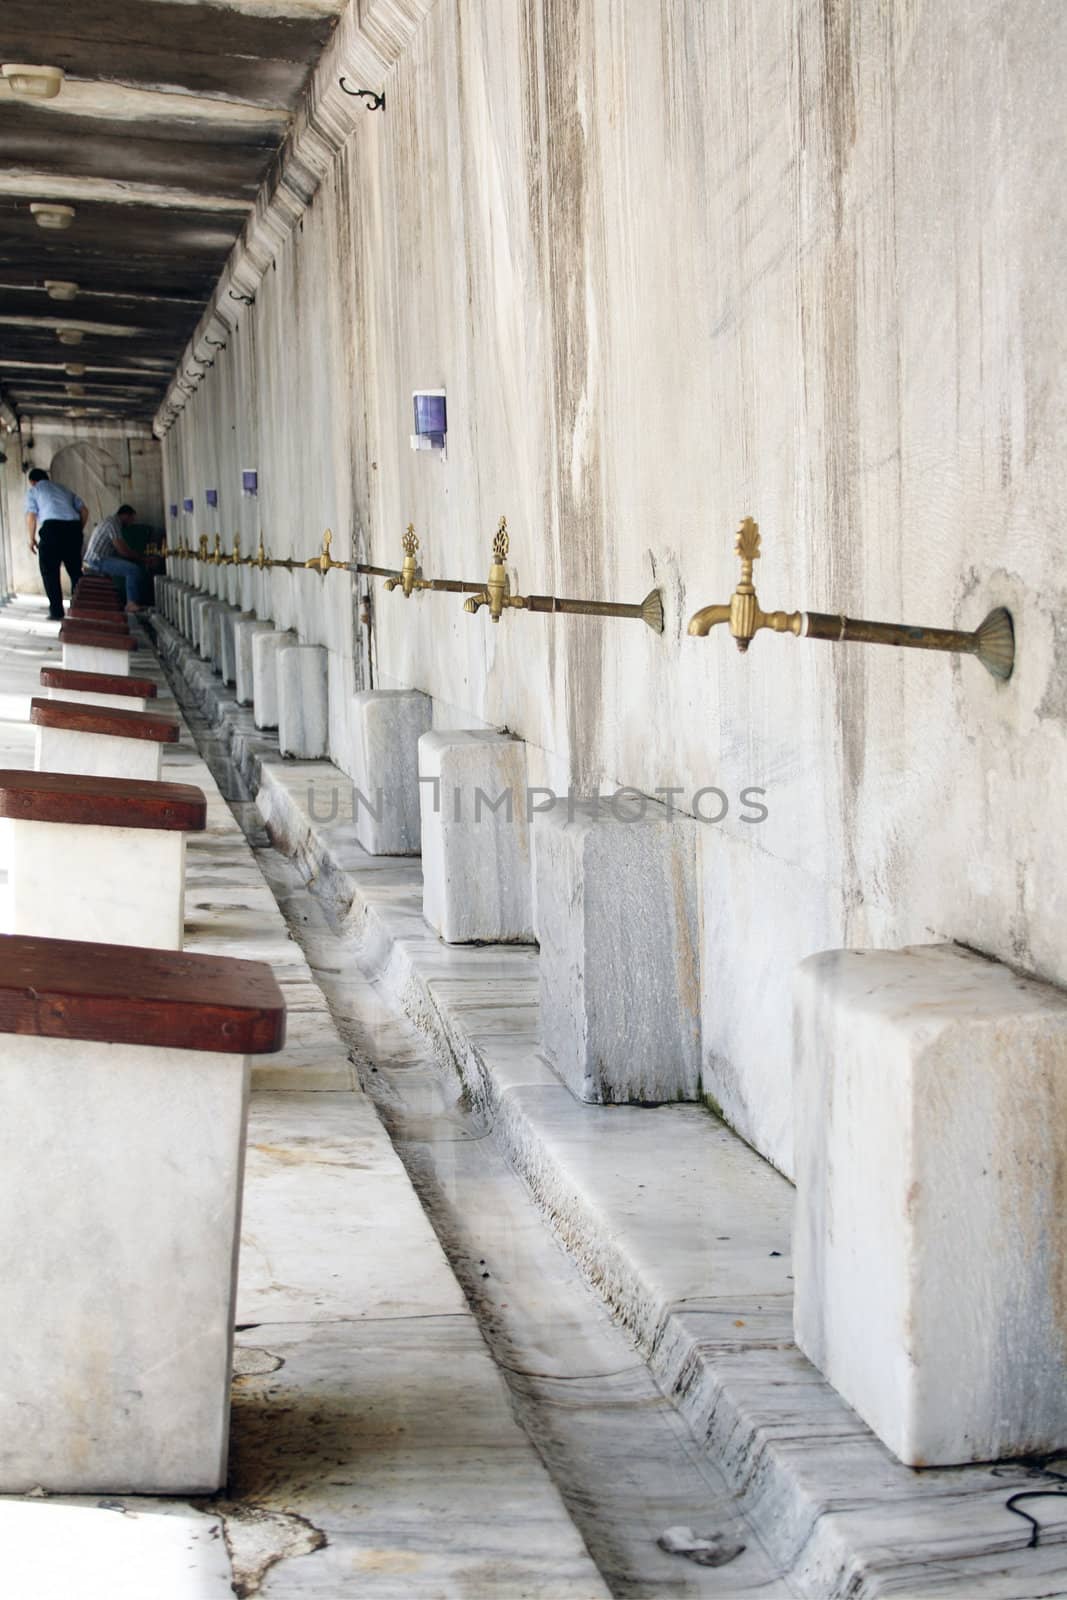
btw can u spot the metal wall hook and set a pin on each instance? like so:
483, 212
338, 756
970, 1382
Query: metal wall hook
215, 344
245, 299
375, 102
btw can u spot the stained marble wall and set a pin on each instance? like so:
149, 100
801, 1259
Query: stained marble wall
675, 263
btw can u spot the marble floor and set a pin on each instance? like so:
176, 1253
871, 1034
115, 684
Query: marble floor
680, 1230
491, 1342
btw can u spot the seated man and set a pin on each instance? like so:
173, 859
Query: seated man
109, 553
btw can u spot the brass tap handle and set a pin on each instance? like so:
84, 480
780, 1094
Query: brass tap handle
743, 611
497, 592
408, 579
216, 555
324, 561
202, 547
261, 558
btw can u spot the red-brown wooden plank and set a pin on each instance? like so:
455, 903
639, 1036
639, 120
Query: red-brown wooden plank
65, 989
115, 721
87, 633
97, 683
101, 802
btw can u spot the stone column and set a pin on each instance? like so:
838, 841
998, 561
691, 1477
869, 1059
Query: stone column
265, 649
617, 901
475, 837
303, 701
930, 1088
387, 727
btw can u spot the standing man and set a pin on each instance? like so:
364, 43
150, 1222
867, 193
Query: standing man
109, 553
55, 521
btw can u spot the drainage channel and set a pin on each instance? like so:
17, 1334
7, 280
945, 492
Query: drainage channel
629, 1469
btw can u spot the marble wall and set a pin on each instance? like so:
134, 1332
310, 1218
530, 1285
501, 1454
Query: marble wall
675, 263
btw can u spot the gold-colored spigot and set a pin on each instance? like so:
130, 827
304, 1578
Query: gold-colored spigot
216, 557
324, 561
202, 548
993, 642
235, 553
261, 558
743, 613
408, 578
497, 592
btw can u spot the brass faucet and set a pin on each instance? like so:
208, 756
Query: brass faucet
993, 642
261, 558
497, 592
408, 578
234, 557
324, 561
497, 595
216, 557
202, 554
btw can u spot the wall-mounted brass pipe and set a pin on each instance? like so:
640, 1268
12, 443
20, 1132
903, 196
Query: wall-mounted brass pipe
496, 595
993, 642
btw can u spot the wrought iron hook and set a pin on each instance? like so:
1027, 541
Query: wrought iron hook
375, 102
215, 344
245, 299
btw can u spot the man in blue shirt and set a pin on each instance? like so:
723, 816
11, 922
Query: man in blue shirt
55, 520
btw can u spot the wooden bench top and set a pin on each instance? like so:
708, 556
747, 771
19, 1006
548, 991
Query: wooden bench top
120, 994
115, 621
97, 683
101, 802
116, 721
88, 633
95, 608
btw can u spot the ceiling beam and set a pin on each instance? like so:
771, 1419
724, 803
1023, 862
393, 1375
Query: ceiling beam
51, 186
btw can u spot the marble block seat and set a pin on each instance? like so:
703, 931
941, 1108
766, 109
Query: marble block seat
105, 741
930, 1230
96, 858
124, 1079
97, 688
88, 648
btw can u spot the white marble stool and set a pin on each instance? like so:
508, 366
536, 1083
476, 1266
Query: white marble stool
100, 741
90, 649
96, 858
303, 701
98, 688
244, 632
123, 1102
615, 886
475, 837
265, 650
387, 725
228, 621
930, 1088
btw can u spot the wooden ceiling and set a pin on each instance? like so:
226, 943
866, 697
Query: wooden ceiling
168, 120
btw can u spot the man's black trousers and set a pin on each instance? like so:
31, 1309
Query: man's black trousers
58, 544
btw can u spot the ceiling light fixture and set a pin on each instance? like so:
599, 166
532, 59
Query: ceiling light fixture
69, 335
46, 214
60, 289
33, 83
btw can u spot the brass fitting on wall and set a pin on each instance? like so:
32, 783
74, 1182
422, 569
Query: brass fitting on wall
407, 580
498, 597
993, 642
201, 551
324, 561
497, 592
260, 560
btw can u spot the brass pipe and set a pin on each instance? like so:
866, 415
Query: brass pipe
496, 595
993, 642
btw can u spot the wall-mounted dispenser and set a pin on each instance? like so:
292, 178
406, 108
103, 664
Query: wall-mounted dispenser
431, 419
174, 510
249, 481
187, 505
212, 496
